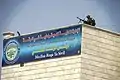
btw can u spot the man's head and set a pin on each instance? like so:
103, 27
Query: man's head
88, 16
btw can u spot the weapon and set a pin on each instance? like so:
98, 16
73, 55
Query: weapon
80, 20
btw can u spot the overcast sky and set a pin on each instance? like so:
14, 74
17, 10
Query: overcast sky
35, 15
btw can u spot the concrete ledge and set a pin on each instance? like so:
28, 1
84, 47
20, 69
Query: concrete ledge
101, 29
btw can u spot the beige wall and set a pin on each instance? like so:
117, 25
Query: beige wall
100, 60
66, 68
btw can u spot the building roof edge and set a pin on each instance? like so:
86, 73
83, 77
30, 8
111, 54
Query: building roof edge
105, 30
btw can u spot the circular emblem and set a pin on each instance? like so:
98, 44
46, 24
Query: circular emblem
11, 52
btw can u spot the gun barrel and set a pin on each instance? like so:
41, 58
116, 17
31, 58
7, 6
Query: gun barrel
80, 19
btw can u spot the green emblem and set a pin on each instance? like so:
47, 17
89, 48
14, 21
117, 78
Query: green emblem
11, 52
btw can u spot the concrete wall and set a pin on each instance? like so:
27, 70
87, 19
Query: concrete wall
66, 68
100, 60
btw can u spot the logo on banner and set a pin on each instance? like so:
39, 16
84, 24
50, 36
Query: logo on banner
11, 52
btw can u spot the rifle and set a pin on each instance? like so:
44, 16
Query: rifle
81, 20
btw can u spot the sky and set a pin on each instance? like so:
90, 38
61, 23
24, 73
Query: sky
29, 16
36, 15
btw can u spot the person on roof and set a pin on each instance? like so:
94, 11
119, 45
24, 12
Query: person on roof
90, 20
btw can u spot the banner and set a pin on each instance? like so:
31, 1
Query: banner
42, 45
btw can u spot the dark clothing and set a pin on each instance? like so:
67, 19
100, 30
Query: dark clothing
93, 22
90, 21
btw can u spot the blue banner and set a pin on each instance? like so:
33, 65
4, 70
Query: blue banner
42, 45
